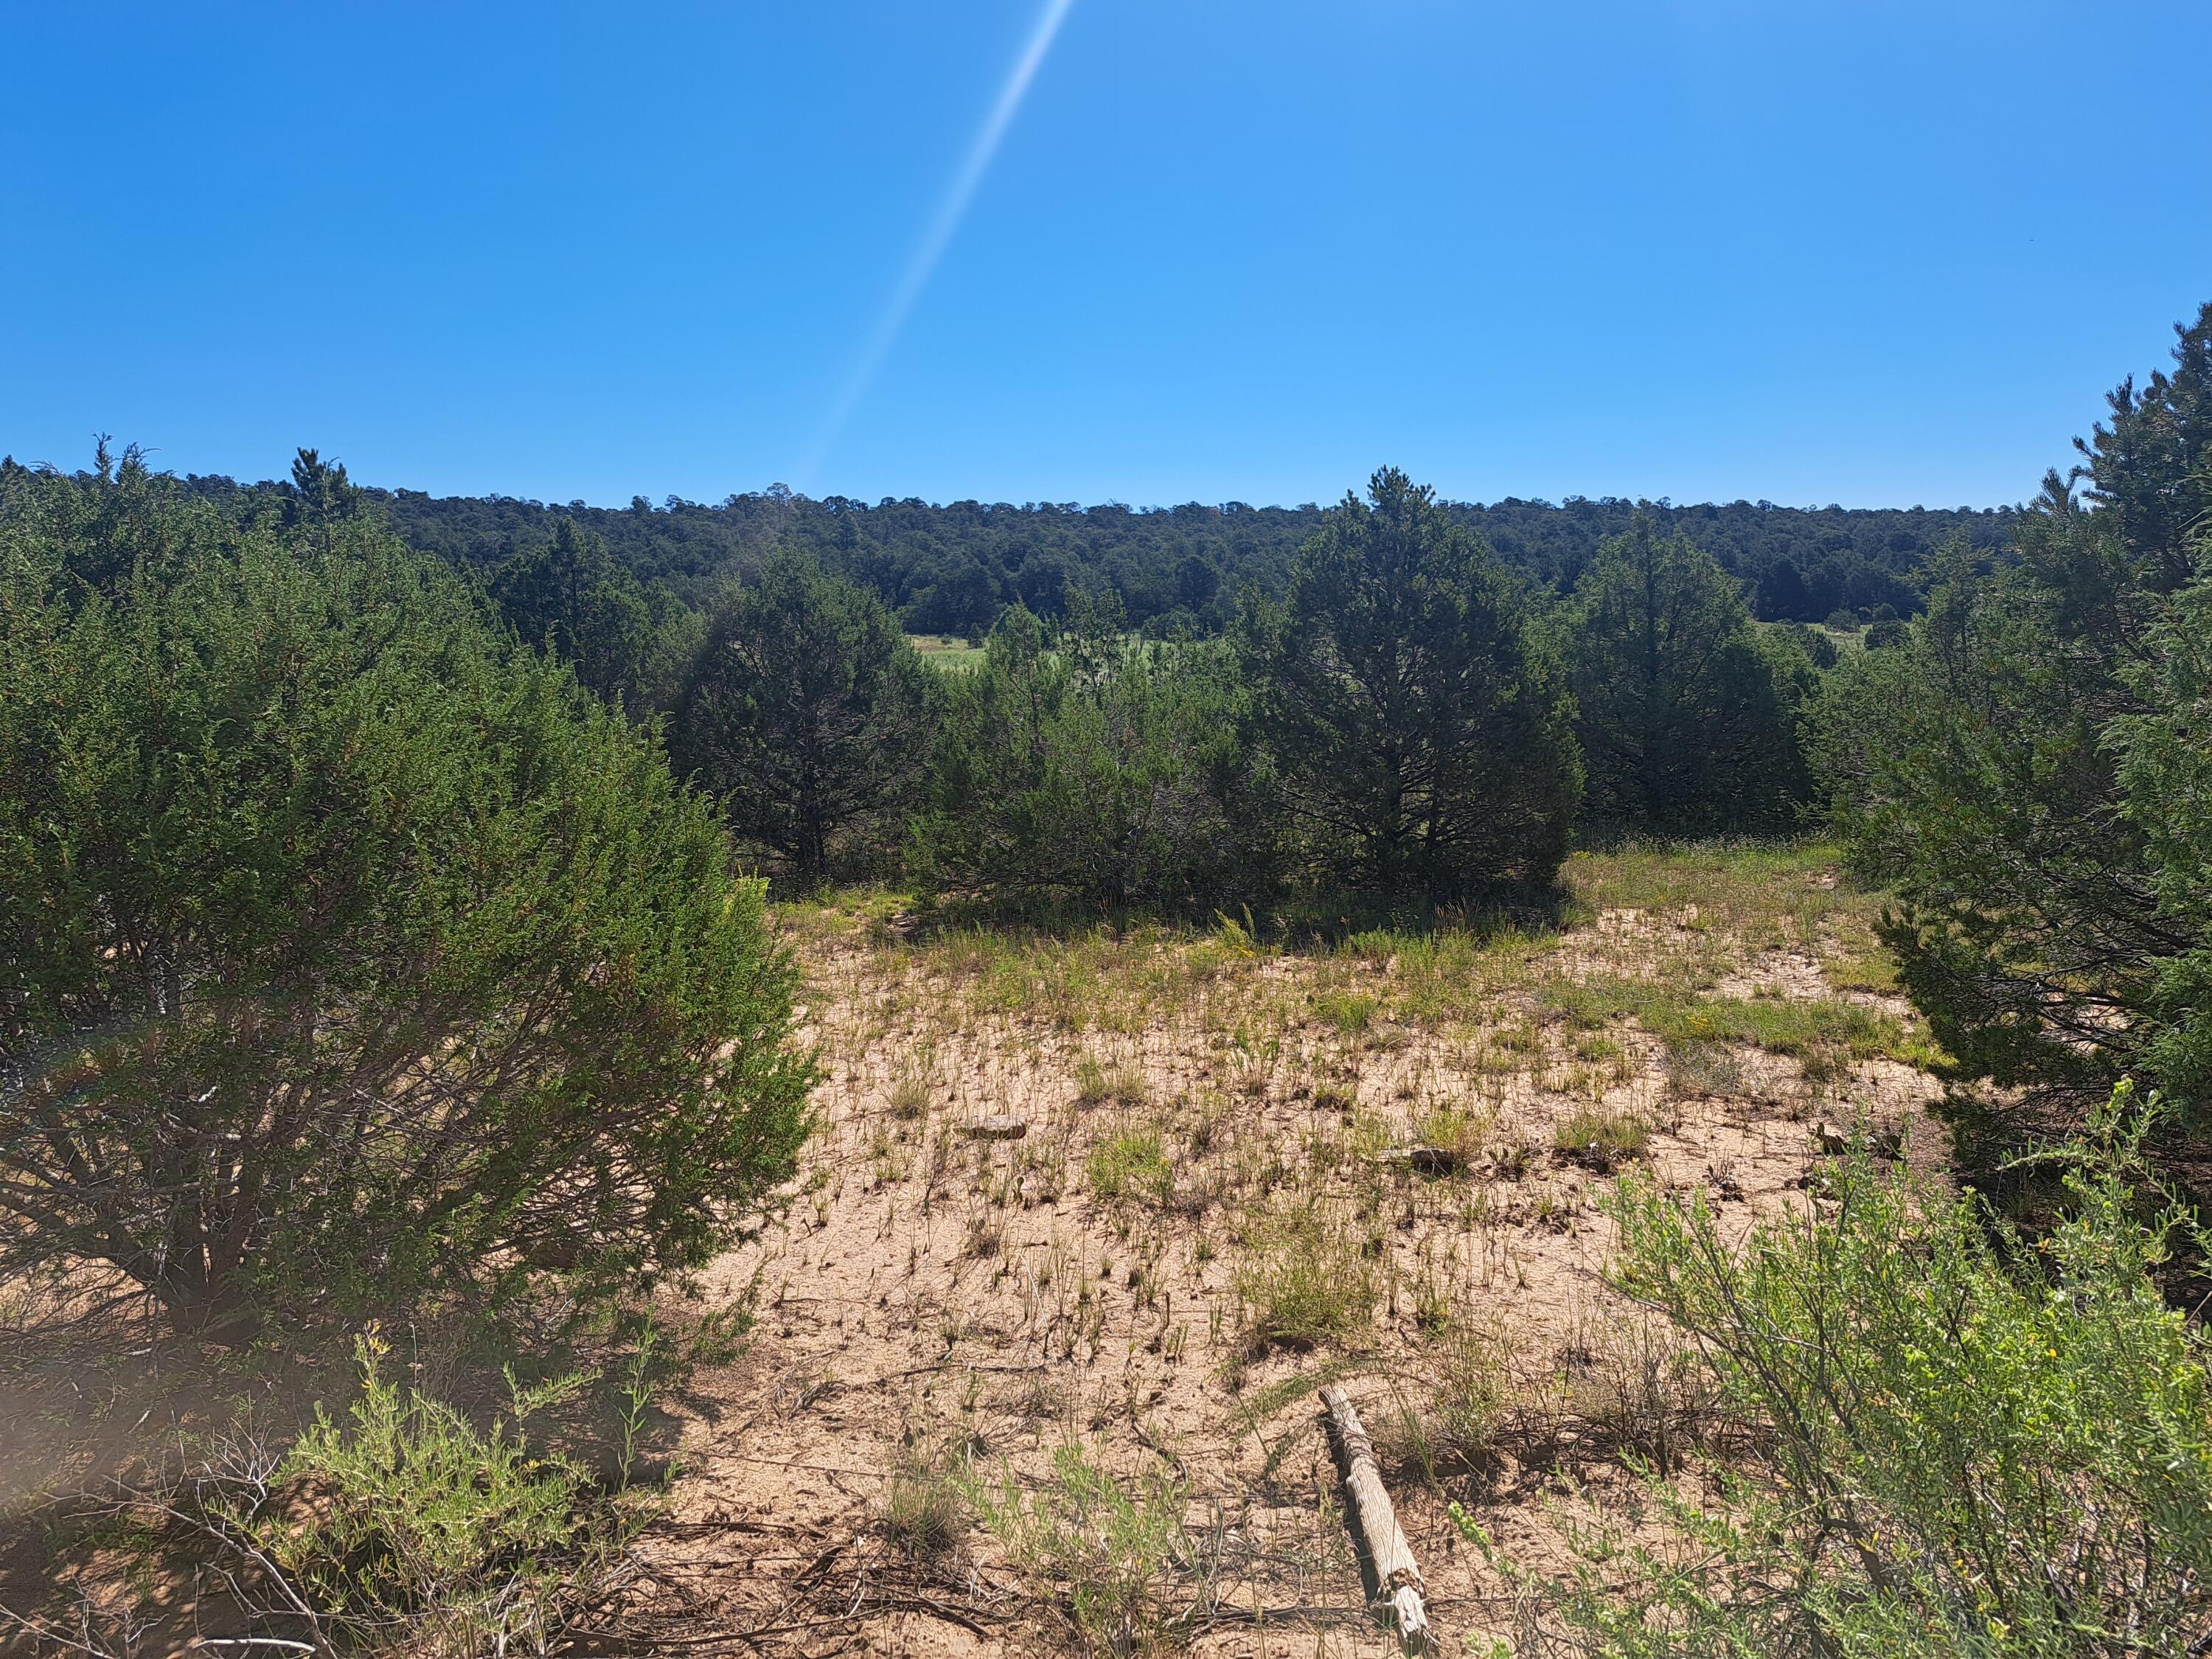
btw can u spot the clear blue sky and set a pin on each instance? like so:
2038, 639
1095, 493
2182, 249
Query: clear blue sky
1803, 250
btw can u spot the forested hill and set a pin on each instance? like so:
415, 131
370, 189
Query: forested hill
952, 567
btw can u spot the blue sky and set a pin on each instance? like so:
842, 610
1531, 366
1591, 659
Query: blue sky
1799, 250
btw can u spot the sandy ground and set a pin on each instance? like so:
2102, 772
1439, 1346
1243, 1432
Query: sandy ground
941, 1312
1087, 1222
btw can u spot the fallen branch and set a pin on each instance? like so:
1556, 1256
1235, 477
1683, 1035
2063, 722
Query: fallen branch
1395, 1595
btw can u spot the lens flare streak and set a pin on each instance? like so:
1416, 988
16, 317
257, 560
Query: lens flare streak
937, 236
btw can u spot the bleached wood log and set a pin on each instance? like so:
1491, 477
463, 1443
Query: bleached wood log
1398, 1589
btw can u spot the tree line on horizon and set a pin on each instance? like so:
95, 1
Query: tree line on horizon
952, 568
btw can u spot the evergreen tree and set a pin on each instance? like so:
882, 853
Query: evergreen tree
2019, 770
1417, 722
111, 527
2164, 757
804, 712
350, 959
322, 496
569, 598
1688, 717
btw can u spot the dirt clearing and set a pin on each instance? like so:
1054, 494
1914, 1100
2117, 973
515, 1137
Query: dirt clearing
1089, 1220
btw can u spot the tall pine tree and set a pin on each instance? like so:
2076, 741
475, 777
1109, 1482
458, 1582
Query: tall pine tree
804, 712
1688, 716
1416, 721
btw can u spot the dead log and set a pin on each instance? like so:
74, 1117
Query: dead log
1395, 1595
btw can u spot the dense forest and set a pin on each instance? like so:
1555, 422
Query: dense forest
951, 568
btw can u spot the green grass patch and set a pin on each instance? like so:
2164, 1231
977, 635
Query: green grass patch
1352, 1013
1304, 1279
1864, 970
947, 651
1823, 1034
1447, 976
1764, 894
1600, 1138
1132, 1164
1456, 1133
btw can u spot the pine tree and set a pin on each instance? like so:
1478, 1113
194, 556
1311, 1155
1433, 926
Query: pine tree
322, 494
1417, 722
1687, 716
571, 597
804, 712
2020, 771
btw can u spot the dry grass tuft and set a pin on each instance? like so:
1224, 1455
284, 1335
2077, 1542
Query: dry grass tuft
1306, 1277
1464, 1391
1098, 1083
924, 1513
1601, 1139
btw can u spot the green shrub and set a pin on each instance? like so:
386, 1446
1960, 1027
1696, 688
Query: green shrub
1968, 1444
403, 1527
1103, 773
1117, 1548
354, 955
